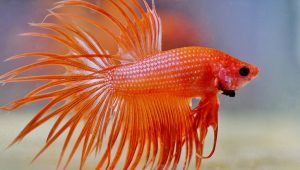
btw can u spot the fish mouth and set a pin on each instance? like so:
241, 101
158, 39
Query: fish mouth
229, 93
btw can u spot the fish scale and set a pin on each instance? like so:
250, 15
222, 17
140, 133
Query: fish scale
183, 71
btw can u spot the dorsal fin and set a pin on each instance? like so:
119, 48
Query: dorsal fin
139, 36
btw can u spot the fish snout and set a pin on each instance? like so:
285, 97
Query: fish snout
254, 71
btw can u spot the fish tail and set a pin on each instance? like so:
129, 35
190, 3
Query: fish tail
83, 96
81, 93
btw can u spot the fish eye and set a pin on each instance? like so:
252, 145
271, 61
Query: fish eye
244, 71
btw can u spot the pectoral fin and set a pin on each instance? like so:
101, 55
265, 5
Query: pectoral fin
206, 115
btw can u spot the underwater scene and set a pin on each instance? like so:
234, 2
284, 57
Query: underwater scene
132, 84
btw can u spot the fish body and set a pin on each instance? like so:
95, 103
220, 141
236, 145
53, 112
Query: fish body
182, 72
137, 98
189, 72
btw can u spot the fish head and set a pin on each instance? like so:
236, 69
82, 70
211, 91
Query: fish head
233, 74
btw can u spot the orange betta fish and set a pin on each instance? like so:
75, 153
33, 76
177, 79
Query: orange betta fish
132, 106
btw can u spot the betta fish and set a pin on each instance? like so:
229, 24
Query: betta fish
136, 98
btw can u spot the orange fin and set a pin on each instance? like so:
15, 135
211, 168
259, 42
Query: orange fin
139, 37
206, 115
154, 128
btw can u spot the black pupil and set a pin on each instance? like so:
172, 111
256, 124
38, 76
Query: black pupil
244, 71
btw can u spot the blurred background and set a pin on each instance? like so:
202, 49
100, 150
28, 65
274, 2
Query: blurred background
259, 128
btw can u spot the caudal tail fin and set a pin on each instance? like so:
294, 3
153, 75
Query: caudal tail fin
81, 94
76, 96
